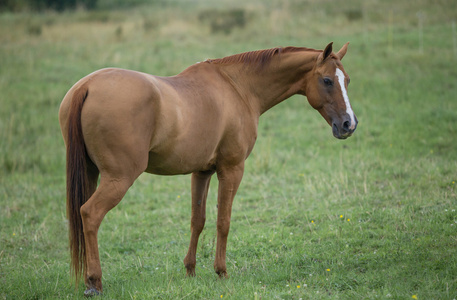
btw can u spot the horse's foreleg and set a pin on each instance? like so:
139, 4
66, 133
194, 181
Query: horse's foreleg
107, 196
229, 181
200, 185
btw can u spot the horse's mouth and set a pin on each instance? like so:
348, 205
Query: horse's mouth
343, 137
341, 134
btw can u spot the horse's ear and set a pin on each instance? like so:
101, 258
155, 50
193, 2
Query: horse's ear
327, 51
343, 51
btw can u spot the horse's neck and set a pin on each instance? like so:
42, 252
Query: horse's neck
283, 77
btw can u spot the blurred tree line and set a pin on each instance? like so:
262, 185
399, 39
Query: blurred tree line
62, 5
41, 5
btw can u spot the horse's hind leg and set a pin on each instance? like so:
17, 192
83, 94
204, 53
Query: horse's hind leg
92, 176
200, 185
109, 193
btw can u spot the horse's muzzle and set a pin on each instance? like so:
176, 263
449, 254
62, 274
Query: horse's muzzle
343, 130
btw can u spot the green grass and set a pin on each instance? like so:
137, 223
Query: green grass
373, 216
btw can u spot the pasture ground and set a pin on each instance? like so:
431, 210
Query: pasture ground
373, 216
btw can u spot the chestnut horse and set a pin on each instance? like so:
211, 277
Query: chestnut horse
117, 124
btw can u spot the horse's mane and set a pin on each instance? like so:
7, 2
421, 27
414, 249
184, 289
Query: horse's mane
258, 57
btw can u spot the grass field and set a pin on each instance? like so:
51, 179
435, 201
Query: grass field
370, 217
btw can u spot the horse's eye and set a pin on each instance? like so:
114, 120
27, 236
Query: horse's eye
328, 81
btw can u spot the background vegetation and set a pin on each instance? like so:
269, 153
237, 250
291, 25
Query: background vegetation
373, 216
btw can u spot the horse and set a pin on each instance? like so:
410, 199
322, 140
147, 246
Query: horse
117, 124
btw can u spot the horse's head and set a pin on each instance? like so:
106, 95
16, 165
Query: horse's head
326, 90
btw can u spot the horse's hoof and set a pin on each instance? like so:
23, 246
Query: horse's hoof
91, 292
190, 271
222, 274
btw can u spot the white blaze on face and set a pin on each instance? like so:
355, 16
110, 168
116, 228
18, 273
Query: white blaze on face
349, 111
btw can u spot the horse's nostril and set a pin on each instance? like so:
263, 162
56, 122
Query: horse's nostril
346, 125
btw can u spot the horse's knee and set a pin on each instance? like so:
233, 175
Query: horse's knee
107, 196
86, 211
198, 225
223, 228
89, 218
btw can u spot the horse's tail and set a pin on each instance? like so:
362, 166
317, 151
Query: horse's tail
77, 182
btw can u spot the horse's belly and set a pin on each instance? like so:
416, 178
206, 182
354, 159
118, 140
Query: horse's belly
180, 162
